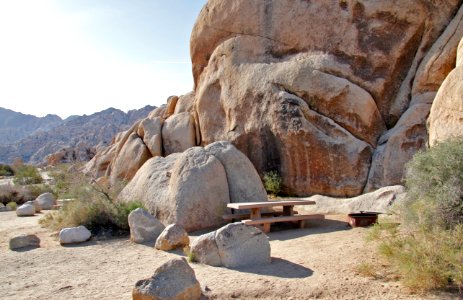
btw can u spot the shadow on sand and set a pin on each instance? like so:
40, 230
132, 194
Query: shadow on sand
279, 267
284, 232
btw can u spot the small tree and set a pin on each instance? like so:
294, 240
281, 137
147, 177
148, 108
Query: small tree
27, 174
272, 182
6, 170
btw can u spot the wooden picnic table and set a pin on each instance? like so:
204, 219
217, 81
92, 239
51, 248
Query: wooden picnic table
257, 217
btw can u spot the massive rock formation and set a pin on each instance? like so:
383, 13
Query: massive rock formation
312, 100
446, 117
336, 110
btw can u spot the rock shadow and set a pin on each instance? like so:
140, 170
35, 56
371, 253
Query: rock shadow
25, 249
279, 267
283, 232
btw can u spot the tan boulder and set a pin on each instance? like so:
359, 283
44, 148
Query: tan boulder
170, 108
189, 189
174, 280
172, 237
185, 103
151, 134
398, 145
178, 133
132, 155
158, 112
446, 117
460, 54
440, 59
98, 165
244, 183
280, 131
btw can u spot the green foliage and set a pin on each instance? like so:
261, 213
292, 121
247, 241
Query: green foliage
191, 257
12, 205
272, 182
6, 170
94, 205
426, 251
26, 174
435, 186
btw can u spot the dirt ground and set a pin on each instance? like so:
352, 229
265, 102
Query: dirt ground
318, 262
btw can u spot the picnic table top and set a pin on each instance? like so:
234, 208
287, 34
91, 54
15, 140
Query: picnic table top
247, 205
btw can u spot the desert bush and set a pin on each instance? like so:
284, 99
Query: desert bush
434, 180
22, 193
12, 205
426, 251
94, 206
26, 174
6, 170
272, 182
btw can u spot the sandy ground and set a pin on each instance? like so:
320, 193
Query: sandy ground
318, 262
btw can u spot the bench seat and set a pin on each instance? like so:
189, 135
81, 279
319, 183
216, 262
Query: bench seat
266, 222
241, 216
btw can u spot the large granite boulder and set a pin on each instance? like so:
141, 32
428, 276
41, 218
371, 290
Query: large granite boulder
232, 246
132, 155
74, 235
178, 133
171, 238
46, 201
243, 180
446, 117
189, 189
23, 241
312, 101
150, 131
174, 280
143, 226
25, 210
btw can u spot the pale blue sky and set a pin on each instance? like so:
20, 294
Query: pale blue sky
81, 56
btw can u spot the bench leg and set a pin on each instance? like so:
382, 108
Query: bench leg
267, 227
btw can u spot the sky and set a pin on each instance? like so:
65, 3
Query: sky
75, 57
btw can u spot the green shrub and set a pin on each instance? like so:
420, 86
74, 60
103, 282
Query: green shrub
6, 170
12, 205
26, 174
272, 182
434, 180
94, 206
426, 251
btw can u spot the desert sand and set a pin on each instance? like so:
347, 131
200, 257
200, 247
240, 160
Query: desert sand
317, 262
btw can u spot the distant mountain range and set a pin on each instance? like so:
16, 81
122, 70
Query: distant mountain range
33, 139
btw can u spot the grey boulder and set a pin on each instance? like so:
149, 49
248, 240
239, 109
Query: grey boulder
143, 226
46, 201
25, 210
23, 240
174, 280
234, 245
74, 235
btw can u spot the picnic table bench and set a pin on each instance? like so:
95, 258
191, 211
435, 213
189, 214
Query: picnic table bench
264, 219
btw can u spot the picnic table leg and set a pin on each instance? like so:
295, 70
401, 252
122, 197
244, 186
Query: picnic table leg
266, 228
255, 213
288, 210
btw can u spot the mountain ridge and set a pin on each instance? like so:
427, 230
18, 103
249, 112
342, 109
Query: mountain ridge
86, 132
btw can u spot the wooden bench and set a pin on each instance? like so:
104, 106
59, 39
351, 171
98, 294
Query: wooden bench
242, 216
266, 222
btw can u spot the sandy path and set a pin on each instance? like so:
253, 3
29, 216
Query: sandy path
317, 262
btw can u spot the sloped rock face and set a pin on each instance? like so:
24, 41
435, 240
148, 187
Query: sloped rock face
312, 101
446, 118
